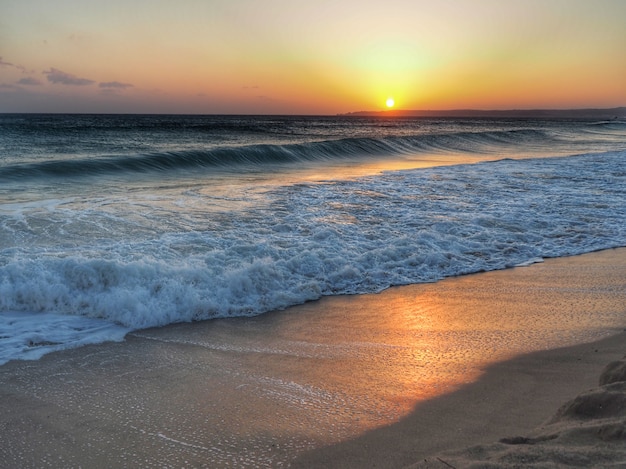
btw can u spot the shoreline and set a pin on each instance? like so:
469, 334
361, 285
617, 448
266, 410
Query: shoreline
334, 382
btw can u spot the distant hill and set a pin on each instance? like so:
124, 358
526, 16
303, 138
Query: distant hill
613, 113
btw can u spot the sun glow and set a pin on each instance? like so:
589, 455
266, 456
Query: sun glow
390, 102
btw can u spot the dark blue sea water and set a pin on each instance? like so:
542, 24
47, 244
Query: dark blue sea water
114, 223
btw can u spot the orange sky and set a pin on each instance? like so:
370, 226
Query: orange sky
309, 57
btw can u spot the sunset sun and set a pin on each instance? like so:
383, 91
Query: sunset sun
390, 102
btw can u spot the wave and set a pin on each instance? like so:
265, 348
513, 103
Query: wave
267, 156
618, 124
314, 240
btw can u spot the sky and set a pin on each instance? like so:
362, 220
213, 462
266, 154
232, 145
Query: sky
309, 57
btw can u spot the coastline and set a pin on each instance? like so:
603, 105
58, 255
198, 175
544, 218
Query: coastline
390, 378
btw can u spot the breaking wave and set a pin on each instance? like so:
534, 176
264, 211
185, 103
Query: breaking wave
267, 157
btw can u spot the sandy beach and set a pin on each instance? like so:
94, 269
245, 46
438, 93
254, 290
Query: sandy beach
496, 420
395, 379
586, 431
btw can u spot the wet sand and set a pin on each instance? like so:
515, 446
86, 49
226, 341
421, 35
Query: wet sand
359, 381
513, 399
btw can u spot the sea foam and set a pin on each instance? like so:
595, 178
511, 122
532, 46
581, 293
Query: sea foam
308, 240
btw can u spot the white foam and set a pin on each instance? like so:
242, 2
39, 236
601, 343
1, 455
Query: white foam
173, 261
29, 336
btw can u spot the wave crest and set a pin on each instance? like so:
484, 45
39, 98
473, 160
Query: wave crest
267, 156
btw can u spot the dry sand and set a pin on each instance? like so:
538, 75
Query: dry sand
587, 431
366, 381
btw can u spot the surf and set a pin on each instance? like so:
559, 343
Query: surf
120, 219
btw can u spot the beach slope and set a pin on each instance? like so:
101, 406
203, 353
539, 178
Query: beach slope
504, 418
587, 431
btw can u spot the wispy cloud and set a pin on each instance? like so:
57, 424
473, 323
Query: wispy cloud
4, 63
59, 77
115, 85
29, 81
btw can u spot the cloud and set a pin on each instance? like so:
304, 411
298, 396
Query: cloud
115, 85
29, 81
57, 76
3, 63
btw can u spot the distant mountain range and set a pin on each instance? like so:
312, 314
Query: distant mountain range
608, 114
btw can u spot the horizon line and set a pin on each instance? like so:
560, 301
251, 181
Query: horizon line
452, 112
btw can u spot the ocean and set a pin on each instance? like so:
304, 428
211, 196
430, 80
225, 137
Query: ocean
113, 223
